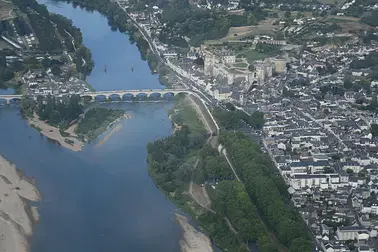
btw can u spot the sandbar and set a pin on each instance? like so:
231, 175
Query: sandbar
193, 240
54, 134
15, 222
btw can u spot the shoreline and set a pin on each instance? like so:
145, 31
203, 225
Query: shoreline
193, 240
15, 220
53, 133
110, 125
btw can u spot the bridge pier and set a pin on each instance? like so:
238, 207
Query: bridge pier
7, 100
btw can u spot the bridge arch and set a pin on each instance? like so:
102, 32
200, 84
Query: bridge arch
155, 96
114, 97
14, 100
141, 96
3, 101
101, 98
168, 95
128, 97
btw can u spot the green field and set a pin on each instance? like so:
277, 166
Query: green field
183, 113
252, 55
241, 65
339, 20
328, 1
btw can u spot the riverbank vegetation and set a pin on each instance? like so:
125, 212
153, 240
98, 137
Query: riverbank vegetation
56, 112
232, 118
5, 73
83, 60
96, 120
268, 191
118, 20
55, 33
184, 158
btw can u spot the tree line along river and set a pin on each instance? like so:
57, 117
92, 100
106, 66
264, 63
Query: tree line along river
100, 199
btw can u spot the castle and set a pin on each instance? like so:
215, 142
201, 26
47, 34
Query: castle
223, 66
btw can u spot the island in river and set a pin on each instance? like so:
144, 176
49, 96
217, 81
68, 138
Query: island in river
16, 216
65, 120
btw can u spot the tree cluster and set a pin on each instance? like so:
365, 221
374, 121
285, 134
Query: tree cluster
83, 60
233, 119
268, 191
374, 130
21, 26
371, 19
166, 159
96, 120
232, 200
55, 112
45, 31
182, 19
211, 166
5, 73
65, 25
370, 61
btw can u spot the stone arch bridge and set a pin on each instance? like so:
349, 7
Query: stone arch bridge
120, 94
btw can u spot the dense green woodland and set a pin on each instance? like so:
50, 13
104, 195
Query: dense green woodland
56, 112
268, 191
65, 25
83, 60
232, 119
167, 164
232, 200
171, 165
211, 166
5, 73
96, 120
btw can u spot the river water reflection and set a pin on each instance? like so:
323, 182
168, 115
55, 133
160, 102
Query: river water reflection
100, 199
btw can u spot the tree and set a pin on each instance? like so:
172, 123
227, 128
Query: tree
374, 129
349, 171
55, 70
287, 14
327, 170
251, 20
257, 120
348, 84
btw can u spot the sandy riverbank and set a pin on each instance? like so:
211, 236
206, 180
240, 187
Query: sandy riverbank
193, 241
15, 222
54, 134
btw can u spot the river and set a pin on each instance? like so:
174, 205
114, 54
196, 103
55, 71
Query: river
100, 199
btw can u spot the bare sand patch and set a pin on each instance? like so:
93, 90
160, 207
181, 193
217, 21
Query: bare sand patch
193, 240
53, 133
15, 222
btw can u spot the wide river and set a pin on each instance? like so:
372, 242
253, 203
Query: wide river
100, 199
